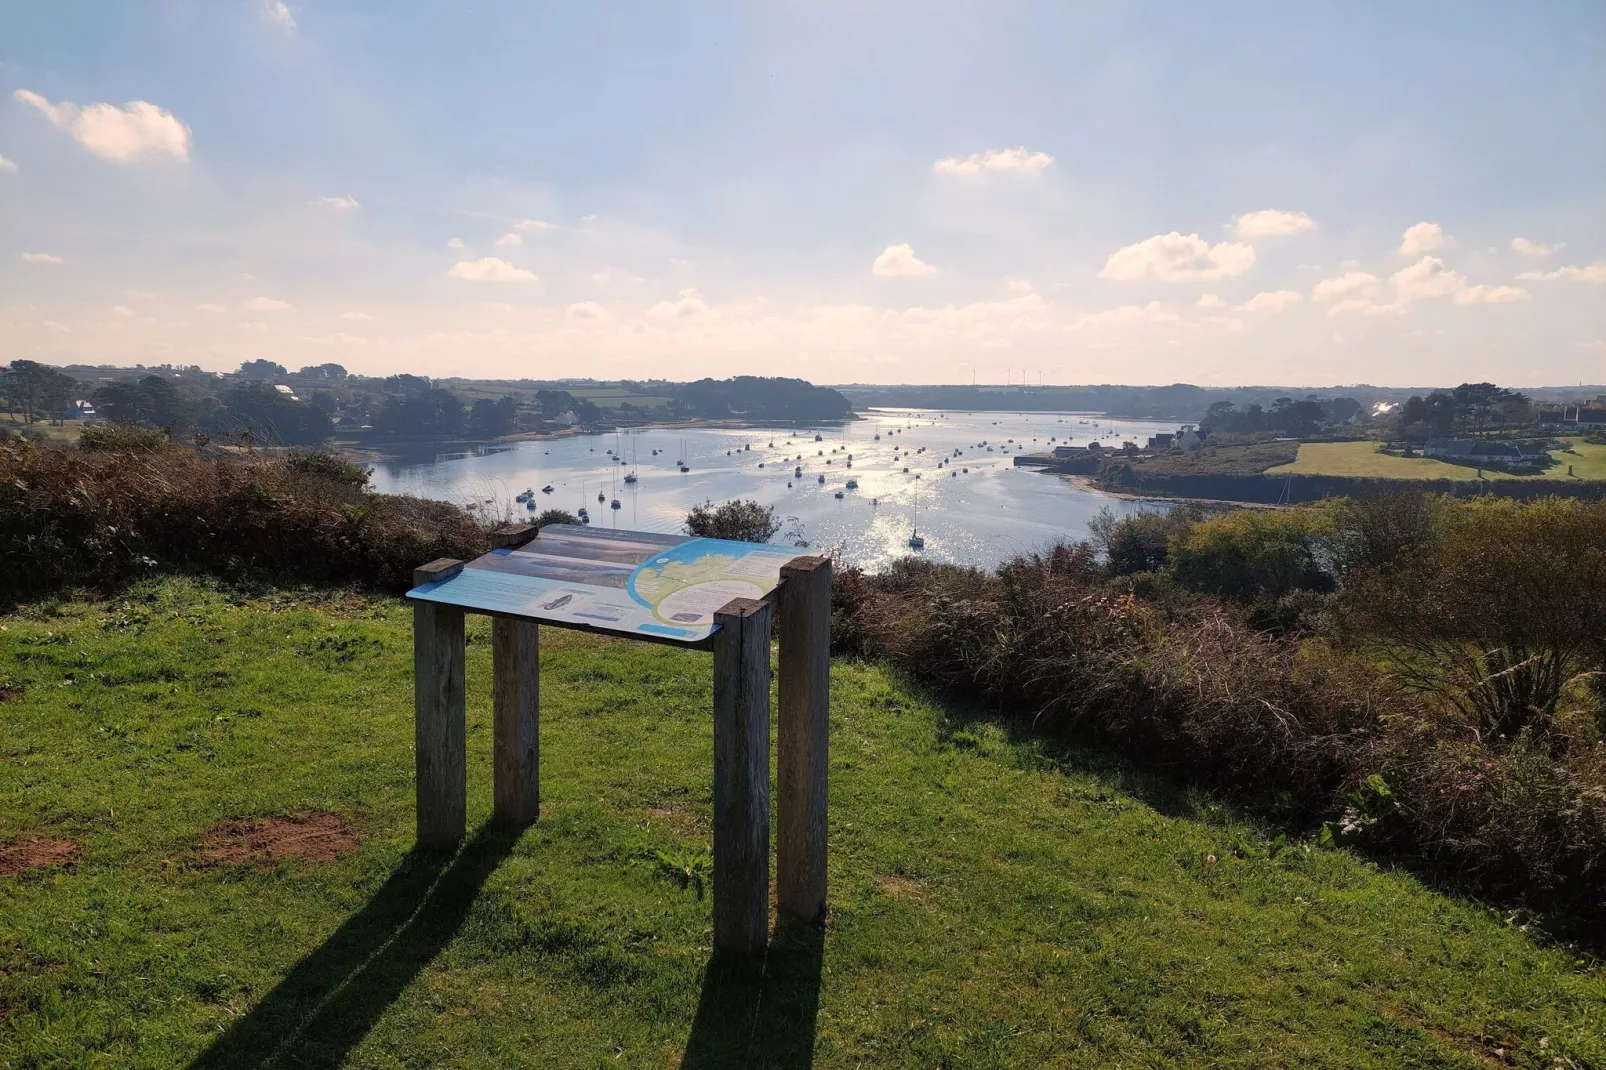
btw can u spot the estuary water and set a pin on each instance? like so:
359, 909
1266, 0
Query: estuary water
950, 475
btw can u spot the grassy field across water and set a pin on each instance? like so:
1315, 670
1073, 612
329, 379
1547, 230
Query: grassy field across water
997, 900
1362, 460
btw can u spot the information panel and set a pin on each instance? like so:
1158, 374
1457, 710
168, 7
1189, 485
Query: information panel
631, 582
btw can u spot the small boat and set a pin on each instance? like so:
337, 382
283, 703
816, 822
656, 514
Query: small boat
601, 497
905, 469
878, 438
788, 482
761, 464
852, 484
530, 506
817, 438
615, 504
547, 489
916, 542
685, 468
838, 494
630, 477
798, 472
822, 477
583, 515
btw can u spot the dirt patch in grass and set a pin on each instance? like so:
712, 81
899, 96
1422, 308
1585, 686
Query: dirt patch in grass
896, 886
10, 694
679, 819
24, 855
314, 836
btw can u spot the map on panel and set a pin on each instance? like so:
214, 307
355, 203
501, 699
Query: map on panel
631, 582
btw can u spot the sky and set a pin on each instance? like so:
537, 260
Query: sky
1229, 193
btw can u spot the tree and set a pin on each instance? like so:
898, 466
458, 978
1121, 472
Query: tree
322, 371
432, 413
743, 521
493, 418
30, 387
152, 402
262, 369
270, 416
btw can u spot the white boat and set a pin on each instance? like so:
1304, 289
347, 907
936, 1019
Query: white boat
916, 540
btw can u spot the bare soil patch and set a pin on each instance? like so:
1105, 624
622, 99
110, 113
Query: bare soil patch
24, 855
896, 886
10, 694
314, 836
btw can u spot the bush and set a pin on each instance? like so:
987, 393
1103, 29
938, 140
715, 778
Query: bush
555, 516
123, 438
1140, 542
94, 518
1253, 554
743, 521
321, 464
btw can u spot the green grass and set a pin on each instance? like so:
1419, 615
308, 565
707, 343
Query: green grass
1361, 459
996, 901
1247, 459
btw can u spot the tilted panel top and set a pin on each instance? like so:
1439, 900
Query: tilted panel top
635, 583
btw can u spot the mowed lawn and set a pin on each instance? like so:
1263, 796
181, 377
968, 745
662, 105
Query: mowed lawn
996, 901
1361, 459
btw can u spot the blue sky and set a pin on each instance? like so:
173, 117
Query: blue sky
1301, 194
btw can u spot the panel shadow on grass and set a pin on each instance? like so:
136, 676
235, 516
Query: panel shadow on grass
329, 1001
760, 1014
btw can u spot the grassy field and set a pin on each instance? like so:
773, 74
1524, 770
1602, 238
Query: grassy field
66, 433
1361, 459
996, 901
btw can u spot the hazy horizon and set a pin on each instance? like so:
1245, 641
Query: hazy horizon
882, 194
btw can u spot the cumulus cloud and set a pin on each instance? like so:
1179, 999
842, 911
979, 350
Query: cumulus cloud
275, 13
1428, 277
686, 306
1490, 295
1017, 161
343, 204
1209, 301
9, 166
510, 239
1178, 257
1273, 223
454, 243
900, 261
535, 224
1595, 273
268, 304
1271, 301
587, 310
1348, 285
1018, 286
490, 269
1422, 238
1532, 248
43, 258
135, 130
1153, 312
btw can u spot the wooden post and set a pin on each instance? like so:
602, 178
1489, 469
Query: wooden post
742, 777
516, 680
512, 535
802, 738
438, 714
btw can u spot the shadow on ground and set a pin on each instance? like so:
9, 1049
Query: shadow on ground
332, 998
760, 1015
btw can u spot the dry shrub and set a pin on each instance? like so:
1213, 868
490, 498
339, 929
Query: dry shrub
1304, 731
95, 518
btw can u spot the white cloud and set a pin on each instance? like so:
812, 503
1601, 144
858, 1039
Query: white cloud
1209, 301
43, 258
687, 305
1226, 323
56, 328
587, 310
268, 304
1018, 286
1490, 295
122, 310
1016, 161
211, 308
1272, 223
499, 306
136, 129
510, 239
1595, 273
1271, 301
277, 14
1422, 238
344, 204
1348, 285
454, 243
1532, 248
1428, 277
1153, 312
490, 269
8, 165
537, 224
610, 276
1178, 257
900, 261
360, 317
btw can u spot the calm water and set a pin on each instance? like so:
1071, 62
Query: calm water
979, 517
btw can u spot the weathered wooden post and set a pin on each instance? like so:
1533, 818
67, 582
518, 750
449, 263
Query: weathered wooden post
803, 738
742, 777
439, 755
516, 703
